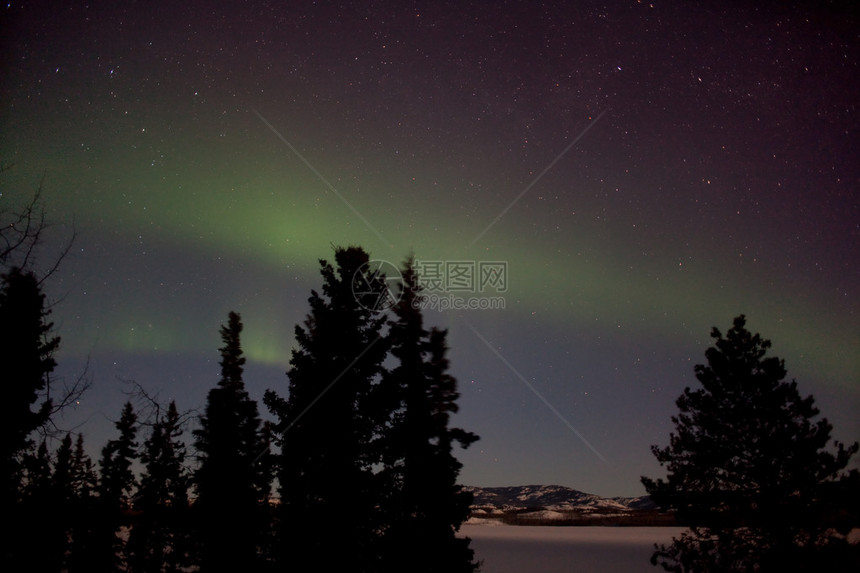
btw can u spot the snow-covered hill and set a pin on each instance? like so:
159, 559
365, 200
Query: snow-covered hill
559, 505
553, 498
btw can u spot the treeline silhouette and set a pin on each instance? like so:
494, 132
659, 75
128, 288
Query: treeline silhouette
357, 471
751, 473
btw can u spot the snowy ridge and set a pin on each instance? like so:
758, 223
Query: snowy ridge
553, 498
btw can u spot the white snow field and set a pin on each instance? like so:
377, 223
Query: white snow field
542, 549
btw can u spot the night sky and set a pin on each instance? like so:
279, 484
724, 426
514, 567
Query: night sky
646, 170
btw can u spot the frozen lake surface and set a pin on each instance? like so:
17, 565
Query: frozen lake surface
537, 549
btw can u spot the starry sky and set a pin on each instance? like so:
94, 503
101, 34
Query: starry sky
647, 170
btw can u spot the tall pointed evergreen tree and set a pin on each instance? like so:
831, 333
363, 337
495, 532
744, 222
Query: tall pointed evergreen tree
159, 538
37, 470
63, 478
27, 349
83, 512
228, 480
326, 426
84, 477
116, 492
118, 481
426, 504
164, 482
26, 352
37, 484
39, 528
749, 469
63, 498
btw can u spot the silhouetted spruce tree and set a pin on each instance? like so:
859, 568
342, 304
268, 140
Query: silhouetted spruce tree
83, 512
84, 477
63, 481
266, 462
116, 492
159, 539
63, 497
229, 508
426, 504
748, 470
26, 352
118, 482
26, 345
38, 528
37, 483
31, 550
326, 427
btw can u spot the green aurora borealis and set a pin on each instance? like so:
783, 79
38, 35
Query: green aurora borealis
721, 180
282, 224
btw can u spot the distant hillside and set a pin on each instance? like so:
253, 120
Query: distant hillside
559, 505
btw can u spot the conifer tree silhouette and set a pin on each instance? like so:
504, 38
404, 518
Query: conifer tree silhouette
39, 528
326, 425
116, 489
159, 539
63, 478
749, 472
83, 512
62, 500
84, 477
37, 484
44, 525
118, 481
427, 505
26, 351
229, 508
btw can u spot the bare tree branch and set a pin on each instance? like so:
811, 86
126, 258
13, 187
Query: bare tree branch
69, 396
150, 408
22, 233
